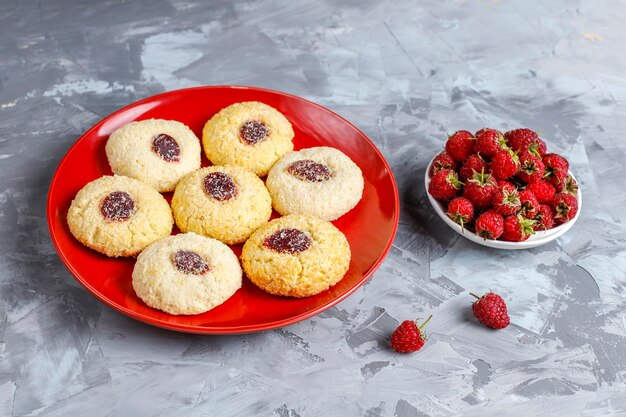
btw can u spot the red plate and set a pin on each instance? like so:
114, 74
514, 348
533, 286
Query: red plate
370, 227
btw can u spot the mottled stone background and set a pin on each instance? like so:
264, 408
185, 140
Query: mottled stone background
405, 72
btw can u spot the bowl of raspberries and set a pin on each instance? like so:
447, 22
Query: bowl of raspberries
504, 191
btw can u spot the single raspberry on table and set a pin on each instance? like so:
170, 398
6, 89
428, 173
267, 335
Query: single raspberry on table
461, 211
530, 204
504, 164
489, 142
443, 161
489, 225
408, 337
556, 168
490, 309
460, 145
517, 228
505, 199
565, 207
543, 190
531, 168
479, 189
544, 219
444, 185
473, 163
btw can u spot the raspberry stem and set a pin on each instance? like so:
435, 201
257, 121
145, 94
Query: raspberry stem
424, 324
474, 295
534, 150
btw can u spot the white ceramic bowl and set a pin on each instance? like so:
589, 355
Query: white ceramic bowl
538, 239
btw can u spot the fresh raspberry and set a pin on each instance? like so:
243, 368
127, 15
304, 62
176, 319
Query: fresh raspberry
531, 168
505, 199
461, 211
519, 140
556, 169
530, 205
517, 228
544, 219
543, 190
460, 145
408, 337
490, 309
479, 190
504, 164
565, 207
473, 163
569, 186
444, 185
489, 225
489, 142
443, 161
505, 183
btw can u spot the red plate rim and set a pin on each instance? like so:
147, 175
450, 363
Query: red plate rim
221, 329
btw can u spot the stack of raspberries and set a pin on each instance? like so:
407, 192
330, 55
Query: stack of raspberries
503, 186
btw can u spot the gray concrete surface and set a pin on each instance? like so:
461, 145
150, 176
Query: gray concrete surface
405, 72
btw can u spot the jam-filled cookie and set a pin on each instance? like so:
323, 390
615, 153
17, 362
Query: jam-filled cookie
296, 256
186, 274
321, 182
157, 152
223, 202
251, 135
119, 216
